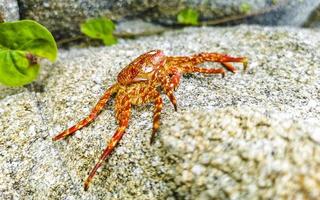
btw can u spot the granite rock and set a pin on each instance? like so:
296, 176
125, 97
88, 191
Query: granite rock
280, 12
63, 18
53, 15
9, 10
281, 83
242, 153
26, 152
314, 19
292, 13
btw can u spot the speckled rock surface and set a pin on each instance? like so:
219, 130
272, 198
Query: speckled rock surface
314, 19
9, 10
280, 12
53, 15
240, 153
282, 81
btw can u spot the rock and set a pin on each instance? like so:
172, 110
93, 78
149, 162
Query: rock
30, 166
133, 28
6, 91
131, 170
292, 13
9, 10
280, 12
240, 153
314, 19
52, 14
166, 11
281, 83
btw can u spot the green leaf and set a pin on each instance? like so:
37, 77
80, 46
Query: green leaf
245, 8
16, 69
100, 28
109, 40
21, 43
188, 16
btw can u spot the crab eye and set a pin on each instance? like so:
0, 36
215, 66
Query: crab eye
147, 69
152, 52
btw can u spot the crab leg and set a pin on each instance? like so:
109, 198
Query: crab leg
168, 84
94, 113
229, 67
221, 58
156, 116
191, 69
175, 79
172, 98
123, 106
187, 61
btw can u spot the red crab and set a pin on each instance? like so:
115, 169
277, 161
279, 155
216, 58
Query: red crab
140, 82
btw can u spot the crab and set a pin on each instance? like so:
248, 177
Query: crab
141, 82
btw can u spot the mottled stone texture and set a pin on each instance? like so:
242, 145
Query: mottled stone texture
245, 136
314, 19
281, 12
63, 17
9, 10
239, 153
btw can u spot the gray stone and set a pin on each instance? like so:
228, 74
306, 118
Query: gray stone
235, 115
293, 13
30, 166
9, 10
314, 19
280, 12
63, 18
134, 28
167, 11
240, 153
